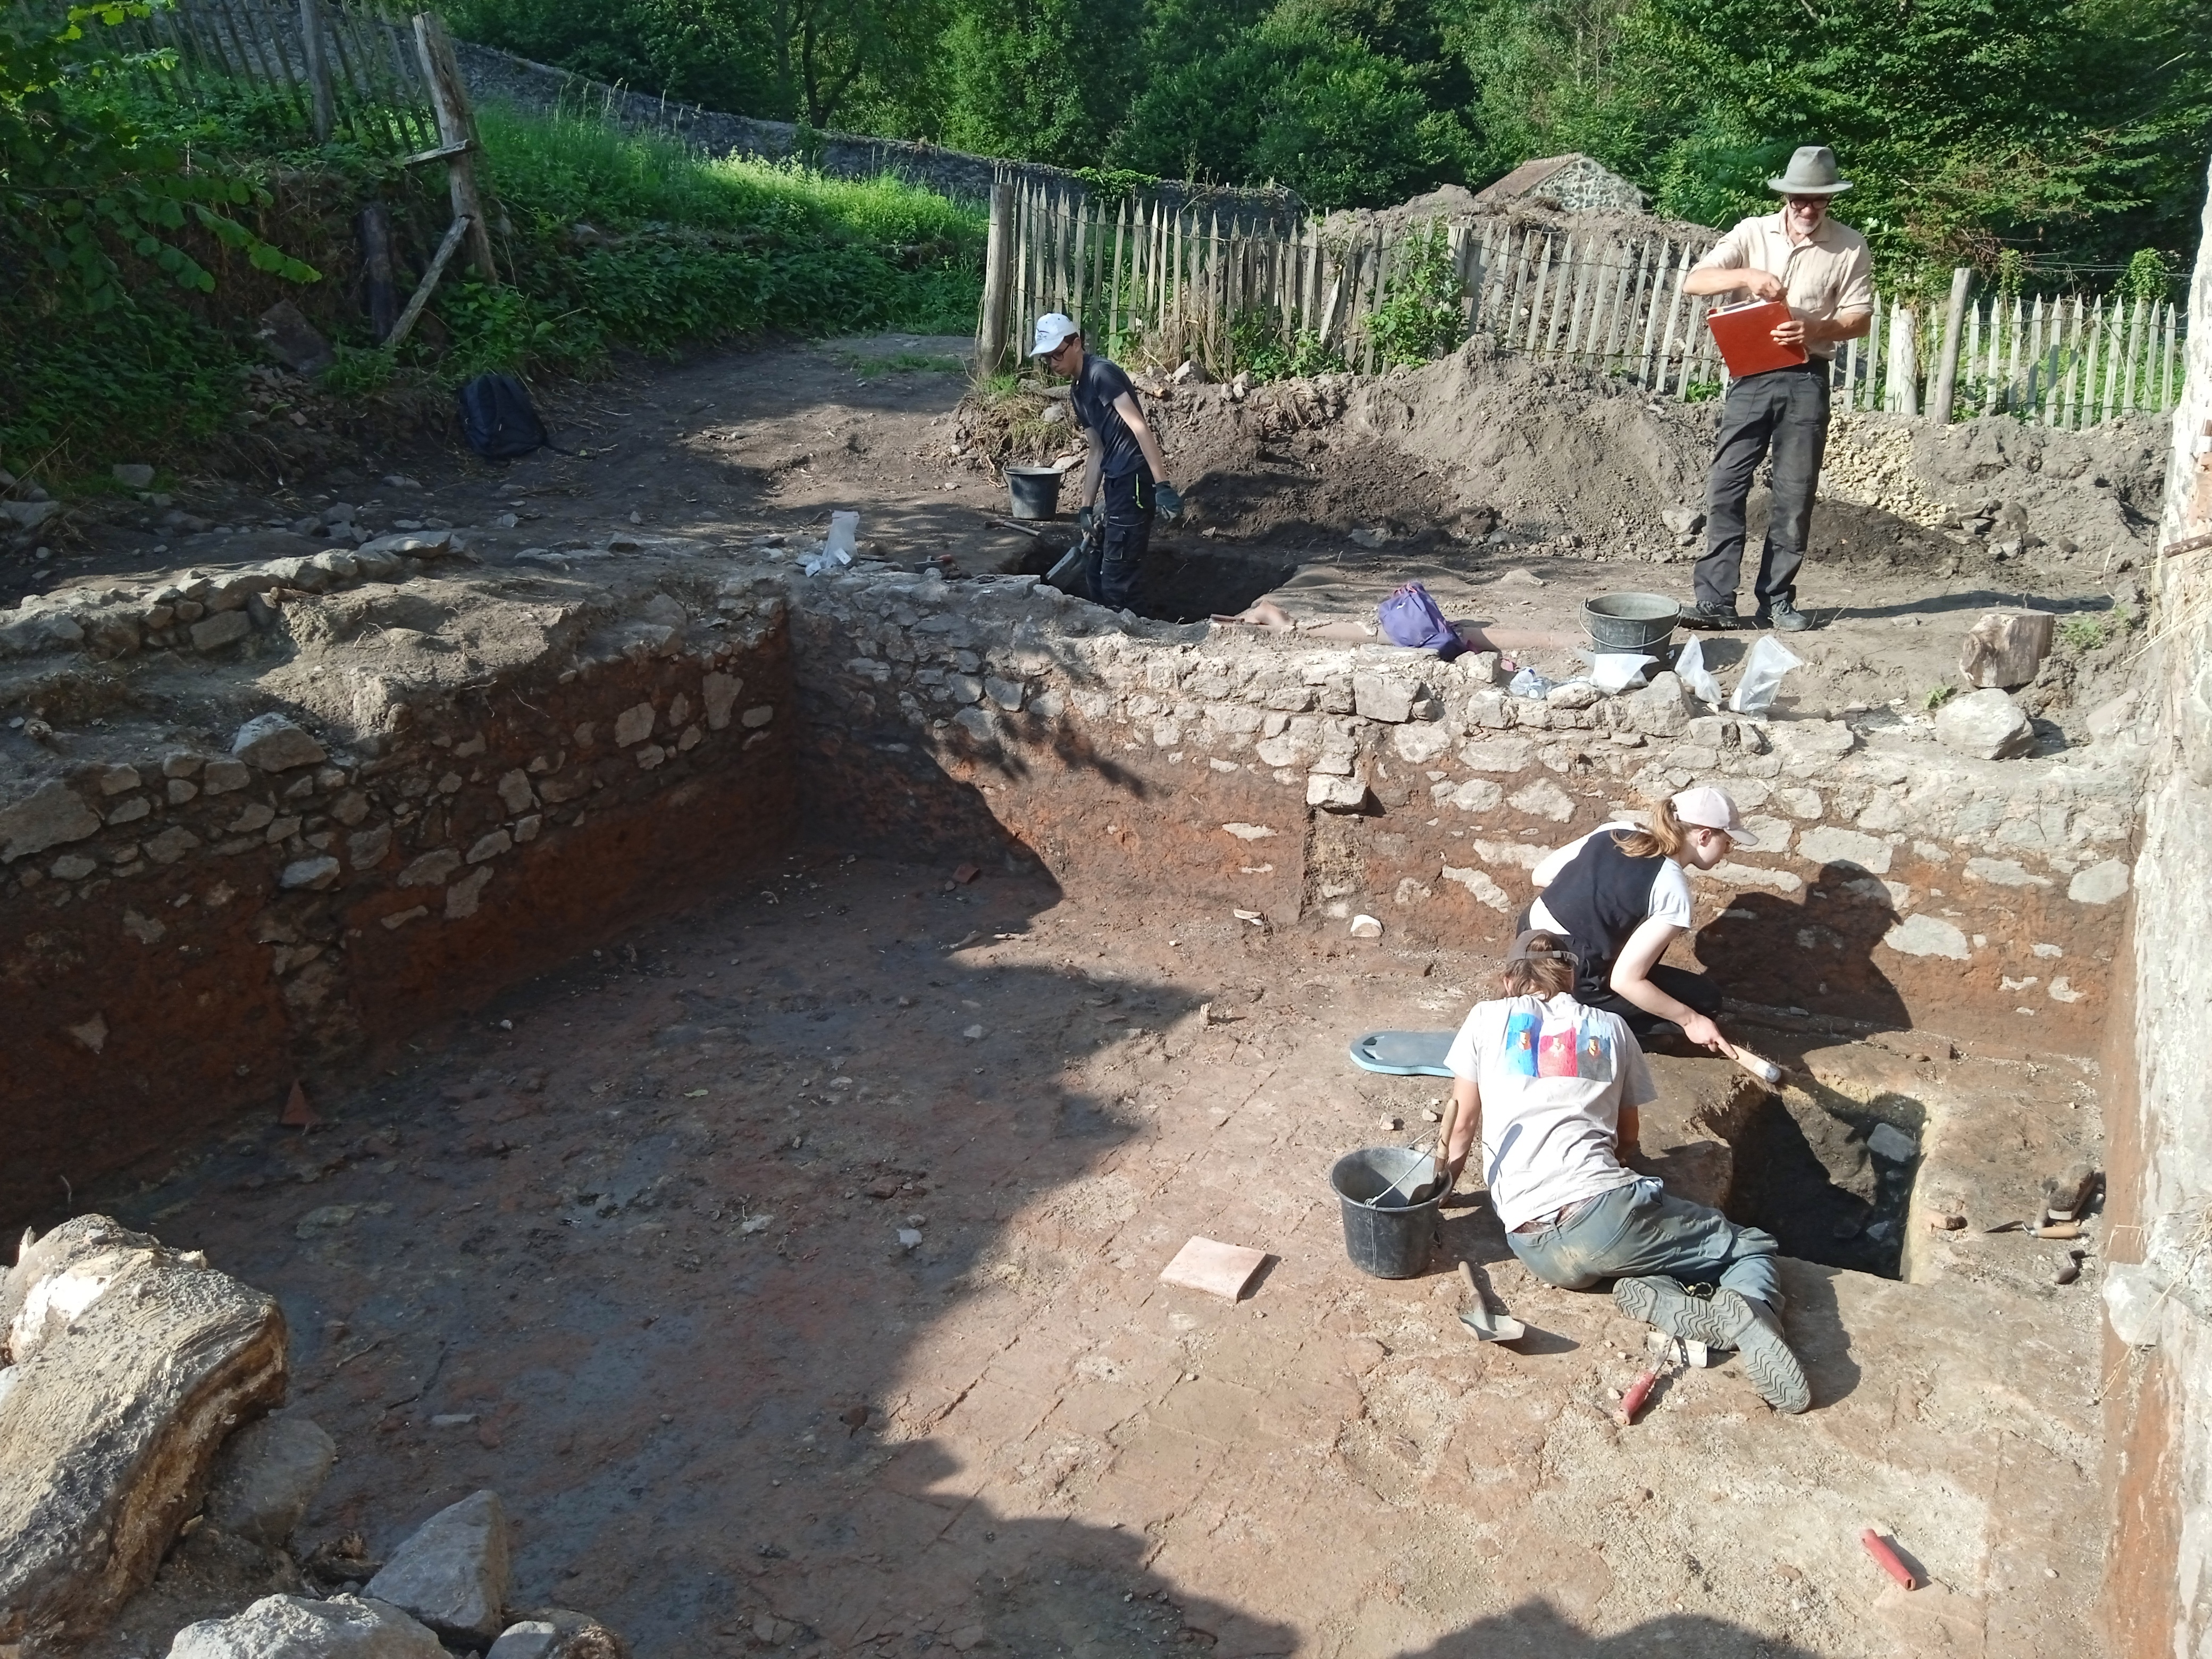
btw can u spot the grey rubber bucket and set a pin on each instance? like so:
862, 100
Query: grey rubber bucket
1630, 622
1033, 492
1385, 1242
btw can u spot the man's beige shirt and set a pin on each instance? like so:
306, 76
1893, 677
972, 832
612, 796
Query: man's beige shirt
1828, 275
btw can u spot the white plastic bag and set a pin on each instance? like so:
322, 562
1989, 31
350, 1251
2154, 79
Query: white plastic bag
1617, 670
844, 536
1769, 659
1690, 668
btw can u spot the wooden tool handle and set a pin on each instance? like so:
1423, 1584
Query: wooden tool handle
1638, 1391
1466, 1271
1758, 1065
1878, 1547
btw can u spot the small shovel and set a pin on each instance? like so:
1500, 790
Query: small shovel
1487, 1326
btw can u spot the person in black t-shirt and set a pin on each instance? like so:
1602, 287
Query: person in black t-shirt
1124, 462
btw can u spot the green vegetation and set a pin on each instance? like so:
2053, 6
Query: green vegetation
2070, 133
1936, 698
138, 236
2092, 630
1423, 314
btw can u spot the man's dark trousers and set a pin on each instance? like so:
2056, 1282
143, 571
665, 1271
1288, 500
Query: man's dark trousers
1784, 410
1128, 508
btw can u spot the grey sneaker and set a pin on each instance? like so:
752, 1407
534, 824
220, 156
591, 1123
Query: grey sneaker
1661, 1301
1755, 1333
1783, 617
1729, 1320
1719, 617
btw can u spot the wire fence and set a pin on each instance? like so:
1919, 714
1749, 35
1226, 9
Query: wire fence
1165, 283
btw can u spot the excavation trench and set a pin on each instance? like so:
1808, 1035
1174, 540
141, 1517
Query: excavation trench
657, 980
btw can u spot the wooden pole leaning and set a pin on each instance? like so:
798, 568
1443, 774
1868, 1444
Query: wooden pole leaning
457, 125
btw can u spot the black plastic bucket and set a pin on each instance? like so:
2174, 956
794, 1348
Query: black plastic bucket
1388, 1243
1033, 492
1630, 622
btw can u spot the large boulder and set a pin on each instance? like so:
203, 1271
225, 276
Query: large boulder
295, 1628
268, 1474
453, 1573
132, 1362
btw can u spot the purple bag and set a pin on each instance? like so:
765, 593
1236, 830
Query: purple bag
1410, 616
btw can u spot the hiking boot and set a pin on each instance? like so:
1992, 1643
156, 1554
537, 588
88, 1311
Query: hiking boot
1719, 617
1661, 1301
1755, 1331
1783, 617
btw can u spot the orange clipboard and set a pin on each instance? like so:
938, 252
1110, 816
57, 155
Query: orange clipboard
1745, 334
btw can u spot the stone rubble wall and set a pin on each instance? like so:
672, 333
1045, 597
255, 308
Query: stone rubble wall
2158, 1411
1896, 882
187, 931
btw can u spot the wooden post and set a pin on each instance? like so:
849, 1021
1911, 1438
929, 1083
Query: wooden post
1659, 262
456, 125
372, 228
1905, 355
2134, 344
2115, 338
1946, 363
998, 280
454, 233
313, 56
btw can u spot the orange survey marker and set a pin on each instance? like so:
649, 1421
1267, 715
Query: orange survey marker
1745, 334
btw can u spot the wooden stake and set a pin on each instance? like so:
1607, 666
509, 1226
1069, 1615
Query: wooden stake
1946, 363
998, 280
318, 69
454, 233
449, 96
2134, 345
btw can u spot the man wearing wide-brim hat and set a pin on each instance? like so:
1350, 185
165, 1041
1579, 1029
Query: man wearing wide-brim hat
1821, 268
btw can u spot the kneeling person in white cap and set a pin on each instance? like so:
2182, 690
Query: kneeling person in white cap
1123, 463
1551, 1087
1621, 897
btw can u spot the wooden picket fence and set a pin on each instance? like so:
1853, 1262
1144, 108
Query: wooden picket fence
344, 67
1161, 283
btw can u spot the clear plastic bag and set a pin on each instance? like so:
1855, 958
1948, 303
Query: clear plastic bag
1617, 670
1690, 668
1769, 659
1529, 684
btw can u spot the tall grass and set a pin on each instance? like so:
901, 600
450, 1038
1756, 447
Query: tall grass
612, 241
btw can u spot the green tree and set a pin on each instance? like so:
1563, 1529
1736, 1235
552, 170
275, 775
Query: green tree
1043, 80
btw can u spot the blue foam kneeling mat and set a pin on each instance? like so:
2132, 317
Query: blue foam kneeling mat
1403, 1054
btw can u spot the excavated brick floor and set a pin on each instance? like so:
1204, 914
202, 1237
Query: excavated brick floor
625, 1249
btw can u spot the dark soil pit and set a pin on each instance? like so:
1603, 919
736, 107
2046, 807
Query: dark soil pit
1820, 1171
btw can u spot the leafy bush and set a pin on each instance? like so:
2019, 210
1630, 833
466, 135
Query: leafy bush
1260, 350
1422, 313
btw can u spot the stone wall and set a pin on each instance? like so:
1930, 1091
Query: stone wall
2158, 1292
1239, 774
401, 814
187, 928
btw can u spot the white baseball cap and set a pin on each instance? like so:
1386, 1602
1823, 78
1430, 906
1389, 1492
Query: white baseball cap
1053, 330
1713, 809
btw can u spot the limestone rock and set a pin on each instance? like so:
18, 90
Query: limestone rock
132, 475
2005, 648
1336, 795
1378, 698
293, 340
268, 1473
131, 1361
1661, 709
558, 1633
224, 627
51, 815
411, 544
275, 744
1987, 725
295, 1628
451, 1574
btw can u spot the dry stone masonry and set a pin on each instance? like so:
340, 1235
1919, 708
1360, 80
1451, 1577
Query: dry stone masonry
433, 784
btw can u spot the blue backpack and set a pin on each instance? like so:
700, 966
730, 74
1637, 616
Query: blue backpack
499, 420
1410, 616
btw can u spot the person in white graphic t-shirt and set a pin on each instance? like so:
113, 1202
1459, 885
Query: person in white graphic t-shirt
1550, 1087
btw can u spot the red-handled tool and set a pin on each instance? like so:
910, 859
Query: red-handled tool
1878, 1547
1638, 1391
